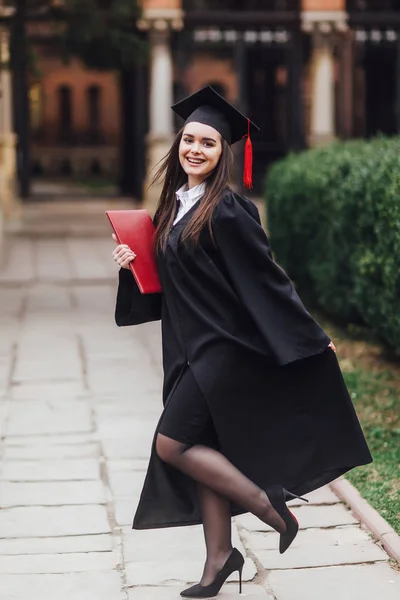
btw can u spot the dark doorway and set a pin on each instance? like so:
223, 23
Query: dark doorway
267, 100
380, 90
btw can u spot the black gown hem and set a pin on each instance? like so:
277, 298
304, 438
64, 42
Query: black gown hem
317, 482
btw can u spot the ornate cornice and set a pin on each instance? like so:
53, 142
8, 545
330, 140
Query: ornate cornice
324, 21
161, 19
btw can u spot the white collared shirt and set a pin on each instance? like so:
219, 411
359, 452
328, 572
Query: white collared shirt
187, 198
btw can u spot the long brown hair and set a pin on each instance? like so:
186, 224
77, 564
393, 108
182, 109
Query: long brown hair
174, 177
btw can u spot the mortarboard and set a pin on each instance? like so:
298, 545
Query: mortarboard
208, 107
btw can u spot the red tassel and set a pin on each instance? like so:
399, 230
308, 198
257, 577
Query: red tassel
248, 160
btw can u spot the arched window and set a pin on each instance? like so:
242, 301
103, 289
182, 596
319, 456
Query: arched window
94, 112
65, 114
36, 110
36, 106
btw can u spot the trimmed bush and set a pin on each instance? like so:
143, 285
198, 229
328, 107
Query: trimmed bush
334, 224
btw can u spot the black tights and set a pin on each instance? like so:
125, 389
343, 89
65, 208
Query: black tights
220, 483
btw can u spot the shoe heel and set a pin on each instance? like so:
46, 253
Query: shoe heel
290, 496
240, 579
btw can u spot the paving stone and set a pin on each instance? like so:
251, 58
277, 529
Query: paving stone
12, 301
43, 451
51, 470
114, 448
57, 545
124, 483
180, 544
168, 572
53, 521
46, 297
48, 417
58, 563
127, 465
5, 368
151, 409
94, 297
93, 585
308, 516
367, 582
120, 382
323, 495
140, 432
337, 536
46, 343
65, 438
124, 510
20, 259
320, 556
51, 494
228, 592
4, 410
56, 390
44, 370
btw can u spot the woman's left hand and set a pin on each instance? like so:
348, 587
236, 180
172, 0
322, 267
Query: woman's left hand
332, 346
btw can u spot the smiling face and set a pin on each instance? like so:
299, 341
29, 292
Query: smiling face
200, 149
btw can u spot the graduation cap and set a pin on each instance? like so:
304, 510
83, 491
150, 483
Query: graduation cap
208, 107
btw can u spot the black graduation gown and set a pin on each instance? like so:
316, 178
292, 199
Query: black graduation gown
278, 403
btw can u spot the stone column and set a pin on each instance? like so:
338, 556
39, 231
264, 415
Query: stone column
9, 207
324, 27
322, 123
161, 132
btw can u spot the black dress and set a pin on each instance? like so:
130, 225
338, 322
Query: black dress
247, 370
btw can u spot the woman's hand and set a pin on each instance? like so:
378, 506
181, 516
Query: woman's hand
122, 254
332, 346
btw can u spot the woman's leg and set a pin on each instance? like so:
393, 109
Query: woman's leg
210, 468
216, 517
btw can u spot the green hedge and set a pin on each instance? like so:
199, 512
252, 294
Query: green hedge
334, 224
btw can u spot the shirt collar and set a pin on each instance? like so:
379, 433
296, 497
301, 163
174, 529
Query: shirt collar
192, 195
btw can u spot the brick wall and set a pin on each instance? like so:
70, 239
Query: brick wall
151, 4
205, 69
324, 4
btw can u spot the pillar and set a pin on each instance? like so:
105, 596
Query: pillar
346, 86
325, 28
9, 207
159, 23
322, 123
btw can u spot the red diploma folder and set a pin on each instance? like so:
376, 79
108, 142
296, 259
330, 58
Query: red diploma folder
136, 229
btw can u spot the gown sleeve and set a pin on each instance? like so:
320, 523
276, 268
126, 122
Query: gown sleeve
262, 286
133, 307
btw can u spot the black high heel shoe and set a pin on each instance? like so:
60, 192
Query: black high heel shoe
234, 563
278, 497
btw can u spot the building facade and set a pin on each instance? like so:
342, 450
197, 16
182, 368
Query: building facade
307, 71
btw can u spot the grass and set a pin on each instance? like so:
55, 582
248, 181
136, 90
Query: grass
374, 384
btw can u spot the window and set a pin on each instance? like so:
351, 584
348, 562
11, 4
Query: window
65, 114
373, 5
241, 5
36, 108
94, 112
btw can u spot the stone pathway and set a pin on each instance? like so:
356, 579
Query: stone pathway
79, 399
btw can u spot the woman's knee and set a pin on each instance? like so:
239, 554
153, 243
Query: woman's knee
167, 449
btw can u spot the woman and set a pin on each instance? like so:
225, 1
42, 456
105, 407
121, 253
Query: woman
255, 408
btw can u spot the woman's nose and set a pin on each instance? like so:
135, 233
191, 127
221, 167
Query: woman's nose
196, 147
